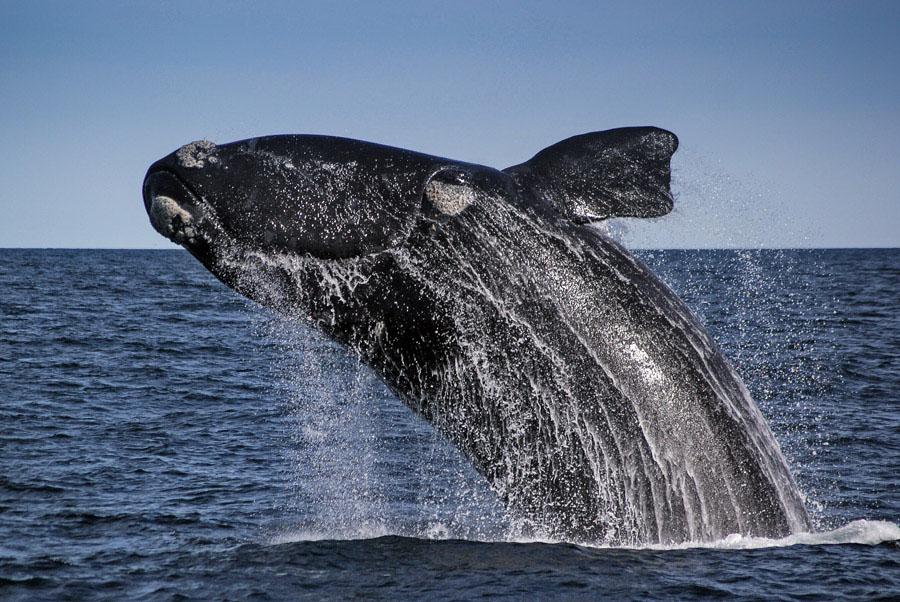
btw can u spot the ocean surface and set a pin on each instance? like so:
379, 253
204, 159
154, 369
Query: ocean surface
162, 438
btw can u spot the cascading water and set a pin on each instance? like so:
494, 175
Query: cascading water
577, 383
634, 458
377, 468
767, 316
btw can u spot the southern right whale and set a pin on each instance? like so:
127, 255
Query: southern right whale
573, 379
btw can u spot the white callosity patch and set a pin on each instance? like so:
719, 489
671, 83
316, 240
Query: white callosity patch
449, 199
196, 154
171, 220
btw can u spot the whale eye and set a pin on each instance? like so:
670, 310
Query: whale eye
449, 192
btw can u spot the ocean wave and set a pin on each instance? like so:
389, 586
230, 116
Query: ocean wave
859, 532
862, 532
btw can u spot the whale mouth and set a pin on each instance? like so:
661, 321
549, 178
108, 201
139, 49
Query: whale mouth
174, 210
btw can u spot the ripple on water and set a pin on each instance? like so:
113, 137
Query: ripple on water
152, 447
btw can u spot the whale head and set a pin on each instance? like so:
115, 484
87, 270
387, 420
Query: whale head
247, 209
329, 198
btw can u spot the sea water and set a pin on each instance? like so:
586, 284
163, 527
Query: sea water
162, 437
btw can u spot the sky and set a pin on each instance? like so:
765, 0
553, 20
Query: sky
788, 112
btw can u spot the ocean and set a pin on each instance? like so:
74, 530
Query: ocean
162, 438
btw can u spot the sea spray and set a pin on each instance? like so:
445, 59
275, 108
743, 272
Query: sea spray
376, 468
760, 304
663, 493
577, 384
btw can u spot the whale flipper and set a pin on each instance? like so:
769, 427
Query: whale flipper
615, 173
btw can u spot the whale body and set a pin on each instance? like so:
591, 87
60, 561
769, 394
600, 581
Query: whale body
575, 381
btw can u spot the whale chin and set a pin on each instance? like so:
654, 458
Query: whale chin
174, 211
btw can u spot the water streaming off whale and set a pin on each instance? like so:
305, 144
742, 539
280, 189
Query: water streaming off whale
576, 382
177, 467
649, 465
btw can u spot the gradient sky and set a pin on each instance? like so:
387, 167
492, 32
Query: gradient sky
788, 112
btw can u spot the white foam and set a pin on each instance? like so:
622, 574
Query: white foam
361, 532
865, 532
862, 532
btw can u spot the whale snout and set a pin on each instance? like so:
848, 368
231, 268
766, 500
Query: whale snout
329, 198
173, 209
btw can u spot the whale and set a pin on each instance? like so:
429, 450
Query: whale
489, 301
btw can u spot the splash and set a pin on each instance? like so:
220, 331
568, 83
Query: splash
759, 303
363, 465
859, 532
686, 498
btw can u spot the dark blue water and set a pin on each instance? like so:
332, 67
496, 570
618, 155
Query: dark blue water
163, 439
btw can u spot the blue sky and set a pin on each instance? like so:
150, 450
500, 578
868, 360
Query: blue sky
788, 112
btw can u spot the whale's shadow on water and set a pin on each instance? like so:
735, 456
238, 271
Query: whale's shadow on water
576, 383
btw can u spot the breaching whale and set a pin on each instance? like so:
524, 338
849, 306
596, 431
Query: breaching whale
574, 380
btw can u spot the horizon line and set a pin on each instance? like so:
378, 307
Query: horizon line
638, 248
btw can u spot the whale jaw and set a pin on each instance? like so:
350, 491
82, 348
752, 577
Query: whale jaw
170, 220
174, 211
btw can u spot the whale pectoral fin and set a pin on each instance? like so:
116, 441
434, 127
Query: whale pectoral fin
615, 173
